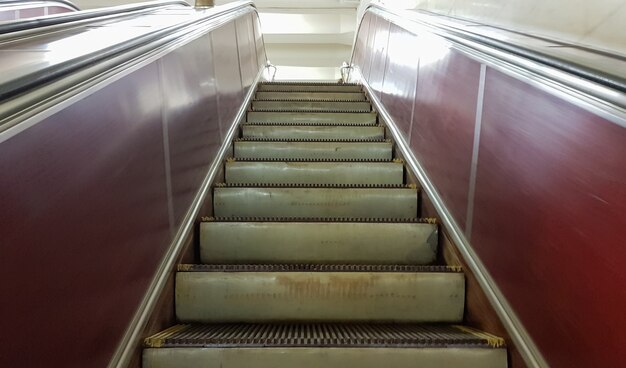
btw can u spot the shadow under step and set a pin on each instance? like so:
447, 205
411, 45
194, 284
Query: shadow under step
318, 242
307, 346
310, 96
309, 87
267, 201
312, 132
259, 149
323, 172
303, 292
310, 106
364, 118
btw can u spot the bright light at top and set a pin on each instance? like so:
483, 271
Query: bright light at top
401, 4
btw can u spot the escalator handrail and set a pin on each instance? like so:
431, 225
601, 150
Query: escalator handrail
570, 70
66, 3
71, 17
54, 72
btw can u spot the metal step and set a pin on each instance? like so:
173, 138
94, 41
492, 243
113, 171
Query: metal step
310, 96
307, 346
259, 149
312, 132
315, 202
308, 87
364, 118
309, 106
318, 242
284, 293
314, 172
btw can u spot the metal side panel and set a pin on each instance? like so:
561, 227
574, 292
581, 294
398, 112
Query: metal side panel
365, 118
316, 202
308, 88
352, 106
314, 150
310, 96
451, 357
320, 296
312, 132
314, 172
318, 242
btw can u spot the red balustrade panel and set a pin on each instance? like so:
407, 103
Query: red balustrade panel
190, 107
444, 119
550, 220
84, 224
379, 56
230, 95
398, 92
360, 50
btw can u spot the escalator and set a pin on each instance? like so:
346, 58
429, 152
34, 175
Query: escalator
316, 255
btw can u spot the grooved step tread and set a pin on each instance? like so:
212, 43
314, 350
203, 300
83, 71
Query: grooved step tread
301, 267
322, 335
425, 220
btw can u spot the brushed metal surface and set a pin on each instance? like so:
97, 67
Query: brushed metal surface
312, 132
366, 118
319, 296
323, 357
315, 172
311, 242
315, 202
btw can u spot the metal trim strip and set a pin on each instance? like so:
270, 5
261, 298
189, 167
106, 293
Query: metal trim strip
469, 217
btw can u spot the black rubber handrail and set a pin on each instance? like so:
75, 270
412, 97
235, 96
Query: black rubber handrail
57, 19
67, 3
600, 77
54, 72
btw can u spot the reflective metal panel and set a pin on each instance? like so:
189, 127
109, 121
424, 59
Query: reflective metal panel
398, 92
191, 116
443, 123
230, 92
84, 223
550, 214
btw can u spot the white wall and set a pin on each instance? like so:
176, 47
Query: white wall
598, 23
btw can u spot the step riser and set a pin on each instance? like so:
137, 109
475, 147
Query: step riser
324, 243
364, 118
314, 150
327, 358
307, 88
311, 96
313, 132
319, 296
315, 202
310, 106
314, 173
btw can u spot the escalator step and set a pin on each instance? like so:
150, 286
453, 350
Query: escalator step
318, 242
310, 96
313, 132
258, 149
308, 87
314, 172
315, 202
364, 118
352, 293
309, 106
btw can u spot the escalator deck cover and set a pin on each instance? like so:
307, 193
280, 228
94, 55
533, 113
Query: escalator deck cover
322, 335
